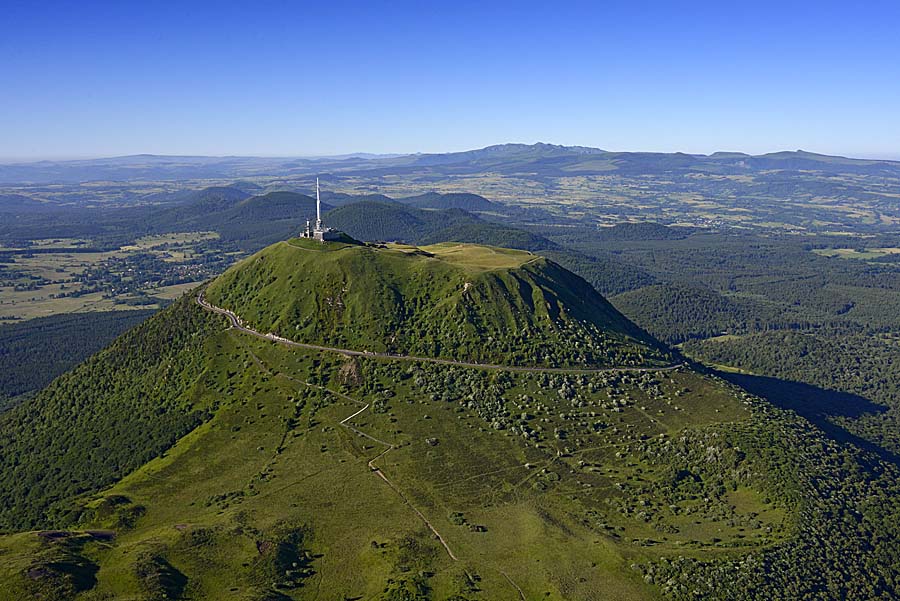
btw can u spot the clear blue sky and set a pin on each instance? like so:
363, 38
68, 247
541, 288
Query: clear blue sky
293, 78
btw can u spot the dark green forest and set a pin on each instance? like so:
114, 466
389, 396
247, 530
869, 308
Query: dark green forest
773, 307
103, 419
34, 352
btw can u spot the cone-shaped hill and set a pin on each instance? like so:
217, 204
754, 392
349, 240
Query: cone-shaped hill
194, 460
452, 301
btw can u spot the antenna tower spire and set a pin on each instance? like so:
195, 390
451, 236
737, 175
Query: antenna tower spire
318, 207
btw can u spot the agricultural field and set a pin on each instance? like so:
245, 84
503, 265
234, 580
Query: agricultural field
55, 276
47, 243
797, 193
180, 242
857, 253
804, 204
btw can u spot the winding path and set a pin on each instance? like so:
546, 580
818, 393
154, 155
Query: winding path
377, 470
238, 324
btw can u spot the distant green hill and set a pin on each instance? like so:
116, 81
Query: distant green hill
539, 159
555, 160
380, 221
339, 199
444, 300
392, 221
453, 200
213, 208
109, 415
642, 231
249, 221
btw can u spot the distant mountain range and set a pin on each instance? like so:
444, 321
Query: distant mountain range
534, 159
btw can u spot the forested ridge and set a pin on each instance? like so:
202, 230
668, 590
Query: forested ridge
772, 307
845, 545
34, 352
821, 334
867, 365
386, 221
103, 419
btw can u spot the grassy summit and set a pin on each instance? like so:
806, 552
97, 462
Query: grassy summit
475, 258
455, 301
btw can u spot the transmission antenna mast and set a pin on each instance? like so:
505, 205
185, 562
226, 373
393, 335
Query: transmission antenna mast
318, 207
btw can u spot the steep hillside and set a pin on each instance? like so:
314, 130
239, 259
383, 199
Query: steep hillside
448, 300
34, 352
114, 412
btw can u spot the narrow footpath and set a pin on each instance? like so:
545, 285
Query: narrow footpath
238, 324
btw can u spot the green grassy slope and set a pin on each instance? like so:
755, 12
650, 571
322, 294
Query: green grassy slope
464, 302
195, 461
272, 498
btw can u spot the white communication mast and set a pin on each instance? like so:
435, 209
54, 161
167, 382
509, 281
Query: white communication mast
320, 232
318, 208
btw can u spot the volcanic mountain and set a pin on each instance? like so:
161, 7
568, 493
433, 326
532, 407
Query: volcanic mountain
350, 421
452, 301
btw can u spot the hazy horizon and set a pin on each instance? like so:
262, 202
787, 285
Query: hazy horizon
65, 158
211, 79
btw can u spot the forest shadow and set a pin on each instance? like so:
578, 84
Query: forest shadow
817, 405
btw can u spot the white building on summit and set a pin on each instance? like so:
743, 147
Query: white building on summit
320, 232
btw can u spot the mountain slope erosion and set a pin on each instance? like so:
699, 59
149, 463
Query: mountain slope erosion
454, 301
